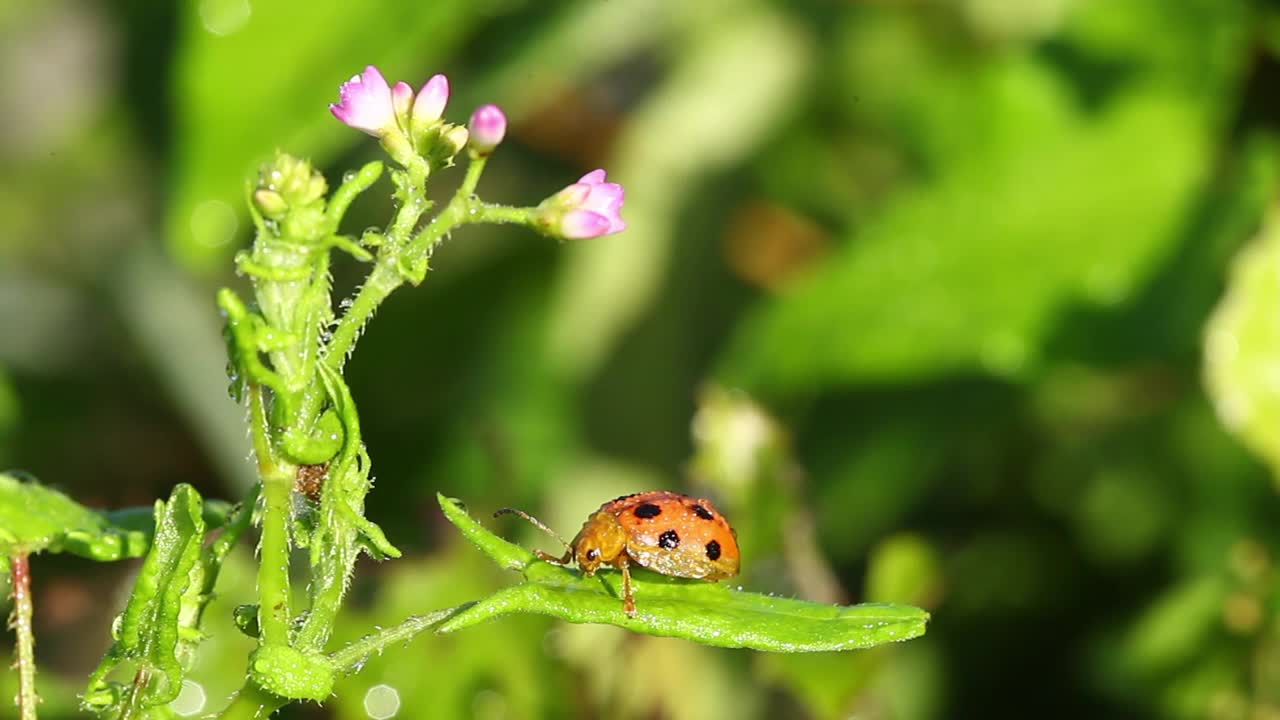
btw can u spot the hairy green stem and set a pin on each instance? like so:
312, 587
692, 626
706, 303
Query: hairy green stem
273, 568
461, 209
347, 192
412, 205
251, 703
384, 278
20, 621
352, 657
504, 214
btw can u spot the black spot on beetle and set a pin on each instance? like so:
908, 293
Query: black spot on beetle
648, 510
713, 550
702, 512
669, 540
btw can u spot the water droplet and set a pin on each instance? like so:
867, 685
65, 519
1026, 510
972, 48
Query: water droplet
348, 176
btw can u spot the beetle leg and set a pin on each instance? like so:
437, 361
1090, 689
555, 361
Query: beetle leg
548, 557
628, 600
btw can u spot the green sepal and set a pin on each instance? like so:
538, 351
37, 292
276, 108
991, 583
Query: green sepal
291, 673
707, 613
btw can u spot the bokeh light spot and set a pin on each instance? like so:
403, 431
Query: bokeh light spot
213, 223
191, 699
381, 702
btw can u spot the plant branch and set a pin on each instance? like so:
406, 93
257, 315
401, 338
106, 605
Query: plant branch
352, 657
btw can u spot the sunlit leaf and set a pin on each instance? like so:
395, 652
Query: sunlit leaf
969, 272
1242, 347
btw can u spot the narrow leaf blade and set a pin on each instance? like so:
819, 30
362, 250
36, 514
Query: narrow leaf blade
708, 613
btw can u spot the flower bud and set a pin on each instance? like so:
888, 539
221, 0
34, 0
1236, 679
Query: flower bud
270, 203
293, 180
488, 126
453, 140
588, 208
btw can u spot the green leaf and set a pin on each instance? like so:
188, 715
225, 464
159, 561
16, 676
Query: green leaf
1242, 347
708, 613
36, 518
972, 270
160, 622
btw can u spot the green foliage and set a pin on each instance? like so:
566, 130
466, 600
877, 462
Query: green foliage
36, 518
988, 213
708, 613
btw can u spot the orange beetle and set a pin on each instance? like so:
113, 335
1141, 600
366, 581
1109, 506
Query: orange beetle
664, 531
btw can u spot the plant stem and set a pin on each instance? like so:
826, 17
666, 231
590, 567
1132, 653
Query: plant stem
241, 518
384, 278
351, 658
386, 275
273, 568
20, 621
460, 210
504, 214
251, 703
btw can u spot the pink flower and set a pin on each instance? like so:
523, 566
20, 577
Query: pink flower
586, 209
366, 103
488, 126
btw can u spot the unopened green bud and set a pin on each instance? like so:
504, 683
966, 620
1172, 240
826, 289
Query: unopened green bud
270, 203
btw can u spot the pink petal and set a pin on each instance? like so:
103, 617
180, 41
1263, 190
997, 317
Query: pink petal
366, 102
580, 224
431, 100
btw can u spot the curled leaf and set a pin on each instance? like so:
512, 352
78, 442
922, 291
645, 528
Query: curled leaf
160, 619
708, 613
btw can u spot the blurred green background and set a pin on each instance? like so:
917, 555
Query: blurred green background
916, 289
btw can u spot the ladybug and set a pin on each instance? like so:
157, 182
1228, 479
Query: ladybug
664, 531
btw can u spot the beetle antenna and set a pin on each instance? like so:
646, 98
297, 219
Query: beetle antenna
534, 522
